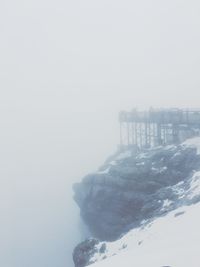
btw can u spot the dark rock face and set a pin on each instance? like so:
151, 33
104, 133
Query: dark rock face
132, 189
83, 252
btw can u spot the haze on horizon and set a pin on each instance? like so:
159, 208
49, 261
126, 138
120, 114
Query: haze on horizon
67, 68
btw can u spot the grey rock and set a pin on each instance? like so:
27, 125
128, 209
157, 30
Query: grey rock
83, 252
133, 190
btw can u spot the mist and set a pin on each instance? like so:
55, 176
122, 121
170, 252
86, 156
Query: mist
67, 68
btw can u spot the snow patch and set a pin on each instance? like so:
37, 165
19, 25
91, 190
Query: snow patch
193, 142
166, 204
178, 190
194, 186
106, 171
159, 170
124, 155
140, 164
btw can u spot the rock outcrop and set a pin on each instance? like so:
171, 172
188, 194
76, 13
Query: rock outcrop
131, 188
83, 252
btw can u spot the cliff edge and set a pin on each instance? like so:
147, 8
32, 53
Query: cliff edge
131, 189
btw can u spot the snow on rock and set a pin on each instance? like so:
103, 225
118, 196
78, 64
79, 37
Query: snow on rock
157, 230
166, 204
124, 155
194, 190
193, 142
114, 161
106, 171
146, 203
131, 188
172, 240
179, 190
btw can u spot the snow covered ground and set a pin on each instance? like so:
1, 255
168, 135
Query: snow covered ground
172, 240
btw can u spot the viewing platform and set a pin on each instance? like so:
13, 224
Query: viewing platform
145, 129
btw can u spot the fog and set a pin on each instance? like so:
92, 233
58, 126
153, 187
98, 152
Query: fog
66, 69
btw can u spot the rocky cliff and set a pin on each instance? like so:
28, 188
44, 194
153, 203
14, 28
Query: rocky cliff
133, 188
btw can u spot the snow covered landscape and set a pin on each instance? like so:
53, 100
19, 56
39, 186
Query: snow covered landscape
100, 133
168, 239
170, 236
172, 240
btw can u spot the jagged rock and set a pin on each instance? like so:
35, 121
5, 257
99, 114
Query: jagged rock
131, 188
83, 252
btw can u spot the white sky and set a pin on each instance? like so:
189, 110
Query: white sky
66, 69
